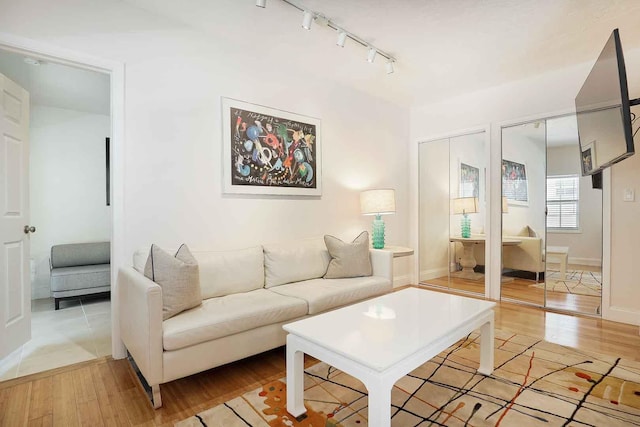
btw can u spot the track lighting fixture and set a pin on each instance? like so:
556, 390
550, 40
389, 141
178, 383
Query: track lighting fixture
389, 66
307, 19
342, 38
371, 56
261, 3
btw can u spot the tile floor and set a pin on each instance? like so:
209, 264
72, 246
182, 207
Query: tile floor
79, 331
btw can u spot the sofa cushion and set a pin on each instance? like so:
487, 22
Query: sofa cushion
222, 272
348, 259
177, 276
295, 261
82, 277
75, 254
223, 316
325, 294
230, 272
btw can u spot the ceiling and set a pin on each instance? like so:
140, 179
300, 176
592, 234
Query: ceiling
443, 48
60, 86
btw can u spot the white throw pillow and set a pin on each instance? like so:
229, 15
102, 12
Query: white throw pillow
178, 276
348, 259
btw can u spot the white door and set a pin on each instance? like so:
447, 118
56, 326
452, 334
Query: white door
15, 282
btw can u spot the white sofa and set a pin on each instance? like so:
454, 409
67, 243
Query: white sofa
247, 296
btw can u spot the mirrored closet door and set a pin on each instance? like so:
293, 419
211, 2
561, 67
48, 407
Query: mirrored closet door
452, 200
573, 261
551, 221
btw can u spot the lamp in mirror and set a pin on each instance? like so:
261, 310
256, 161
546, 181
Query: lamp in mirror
465, 206
378, 202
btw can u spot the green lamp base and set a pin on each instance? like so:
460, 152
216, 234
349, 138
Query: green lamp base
378, 233
465, 226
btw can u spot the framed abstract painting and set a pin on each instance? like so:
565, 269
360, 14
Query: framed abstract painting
515, 185
269, 151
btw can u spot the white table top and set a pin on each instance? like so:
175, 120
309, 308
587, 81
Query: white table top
480, 238
382, 331
398, 251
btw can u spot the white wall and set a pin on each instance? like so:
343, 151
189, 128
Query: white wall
67, 183
585, 246
545, 95
470, 150
434, 208
525, 144
175, 77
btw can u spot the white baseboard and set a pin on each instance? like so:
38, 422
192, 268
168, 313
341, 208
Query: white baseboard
433, 273
595, 262
402, 280
623, 315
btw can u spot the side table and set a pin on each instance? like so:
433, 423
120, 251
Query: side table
398, 251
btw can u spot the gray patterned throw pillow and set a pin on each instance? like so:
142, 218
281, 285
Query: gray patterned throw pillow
348, 259
178, 276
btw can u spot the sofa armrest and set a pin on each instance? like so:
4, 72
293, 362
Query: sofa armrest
382, 263
140, 301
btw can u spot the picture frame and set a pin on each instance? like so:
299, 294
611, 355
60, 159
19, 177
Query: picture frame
267, 151
588, 158
469, 181
515, 185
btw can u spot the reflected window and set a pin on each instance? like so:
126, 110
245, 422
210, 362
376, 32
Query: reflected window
563, 192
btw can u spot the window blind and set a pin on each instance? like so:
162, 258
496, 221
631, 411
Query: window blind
563, 193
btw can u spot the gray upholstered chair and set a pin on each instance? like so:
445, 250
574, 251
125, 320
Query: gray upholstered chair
79, 269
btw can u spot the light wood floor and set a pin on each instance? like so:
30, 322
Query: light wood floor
525, 291
105, 392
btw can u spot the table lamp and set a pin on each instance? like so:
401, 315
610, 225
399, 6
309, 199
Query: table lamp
378, 202
465, 206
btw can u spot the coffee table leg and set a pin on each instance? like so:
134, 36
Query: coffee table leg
486, 347
379, 405
295, 379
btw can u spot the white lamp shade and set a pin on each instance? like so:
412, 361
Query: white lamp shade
463, 205
378, 202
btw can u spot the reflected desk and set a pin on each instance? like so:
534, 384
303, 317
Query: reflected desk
468, 260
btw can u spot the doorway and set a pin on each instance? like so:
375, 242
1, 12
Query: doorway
69, 122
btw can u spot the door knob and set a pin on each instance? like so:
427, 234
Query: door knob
29, 229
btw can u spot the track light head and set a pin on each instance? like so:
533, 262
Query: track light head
261, 3
371, 56
342, 38
307, 19
389, 66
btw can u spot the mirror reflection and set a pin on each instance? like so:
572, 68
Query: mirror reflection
574, 225
552, 219
523, 220
453, 213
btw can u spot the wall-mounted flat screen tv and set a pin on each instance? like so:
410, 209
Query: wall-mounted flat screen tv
603, 111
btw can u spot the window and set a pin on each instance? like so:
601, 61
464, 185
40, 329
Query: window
562, 202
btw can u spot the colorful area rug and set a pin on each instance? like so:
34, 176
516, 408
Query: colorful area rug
578, 282
535, 383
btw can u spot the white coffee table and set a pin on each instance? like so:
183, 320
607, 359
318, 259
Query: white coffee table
381, 340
